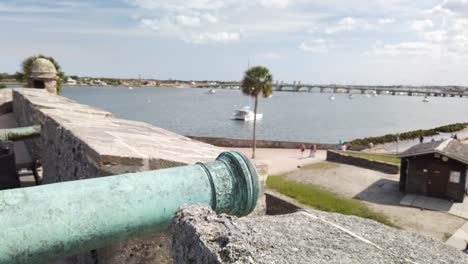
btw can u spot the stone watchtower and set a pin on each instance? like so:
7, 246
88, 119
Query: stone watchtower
43, 75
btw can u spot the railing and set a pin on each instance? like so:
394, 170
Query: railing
46, 222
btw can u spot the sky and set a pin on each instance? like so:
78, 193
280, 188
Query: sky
382, 42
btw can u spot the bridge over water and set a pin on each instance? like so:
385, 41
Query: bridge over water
362, 89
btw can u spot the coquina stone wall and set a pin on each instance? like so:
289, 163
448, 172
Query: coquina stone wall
80, 142
334, 156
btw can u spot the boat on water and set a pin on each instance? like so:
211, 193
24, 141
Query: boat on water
212, 91
245, 114
351, 96
331, 98
130, 88
426, 100
368, 95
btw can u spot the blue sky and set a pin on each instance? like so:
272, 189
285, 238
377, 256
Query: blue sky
418, 42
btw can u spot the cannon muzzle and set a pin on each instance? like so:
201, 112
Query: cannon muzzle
20, 133
46, 222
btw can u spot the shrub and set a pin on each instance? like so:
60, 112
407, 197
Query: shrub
410, 135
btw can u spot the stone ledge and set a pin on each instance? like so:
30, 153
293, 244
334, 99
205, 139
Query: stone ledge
80, 142
201, 236
6, 101
110, 141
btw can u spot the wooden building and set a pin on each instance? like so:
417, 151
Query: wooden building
436, 169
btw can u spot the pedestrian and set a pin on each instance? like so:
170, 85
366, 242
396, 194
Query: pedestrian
313, 149
371, 145
340, 144
455, 137
432, 140
302, 149
421, 139
344, 147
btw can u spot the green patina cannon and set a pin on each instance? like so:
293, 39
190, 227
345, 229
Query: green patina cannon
46, 222
20, 133
8, 167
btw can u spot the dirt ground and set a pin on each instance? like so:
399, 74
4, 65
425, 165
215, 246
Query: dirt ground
380, 192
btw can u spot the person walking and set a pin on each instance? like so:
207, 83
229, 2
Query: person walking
302, 149
421, 139
313, 149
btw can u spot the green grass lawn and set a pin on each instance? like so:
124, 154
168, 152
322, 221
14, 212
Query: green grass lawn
320, 199
370, 156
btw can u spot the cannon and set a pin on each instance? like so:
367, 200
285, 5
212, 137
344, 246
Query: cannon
20, 133
43, 223
8, 170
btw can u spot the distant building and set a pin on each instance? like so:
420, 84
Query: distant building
70, 81
436, 169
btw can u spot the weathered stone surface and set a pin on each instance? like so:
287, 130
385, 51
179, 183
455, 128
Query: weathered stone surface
384, 167
5, 101
201, 236
83, 135
81, 142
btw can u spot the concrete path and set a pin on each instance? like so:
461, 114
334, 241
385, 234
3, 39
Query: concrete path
435, 204
282, 160
459, 239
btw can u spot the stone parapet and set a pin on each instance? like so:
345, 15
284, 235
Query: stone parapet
81, 142
5, 101
247, 143
309, 236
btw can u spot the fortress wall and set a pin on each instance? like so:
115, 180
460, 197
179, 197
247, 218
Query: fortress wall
81, 142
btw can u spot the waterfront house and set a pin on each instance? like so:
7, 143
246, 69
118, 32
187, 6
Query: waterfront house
436, 169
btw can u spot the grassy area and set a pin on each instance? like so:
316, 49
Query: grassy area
375, 157
320, 199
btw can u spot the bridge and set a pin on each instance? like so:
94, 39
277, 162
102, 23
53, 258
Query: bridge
362, 89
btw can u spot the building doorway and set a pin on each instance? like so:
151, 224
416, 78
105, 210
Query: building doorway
436, 183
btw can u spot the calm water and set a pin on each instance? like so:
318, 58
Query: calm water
308, 117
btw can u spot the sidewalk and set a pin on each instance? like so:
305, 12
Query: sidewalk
282, 160
459, 239
435, 204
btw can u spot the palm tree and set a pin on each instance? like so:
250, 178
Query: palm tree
257, 80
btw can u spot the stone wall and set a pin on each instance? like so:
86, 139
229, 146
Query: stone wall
389, 168
247, 143
309, 236
5, 101
81, 142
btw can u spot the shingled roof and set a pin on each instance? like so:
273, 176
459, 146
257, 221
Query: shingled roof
450, 148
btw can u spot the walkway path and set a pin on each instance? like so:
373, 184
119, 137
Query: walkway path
460, 238
282, 160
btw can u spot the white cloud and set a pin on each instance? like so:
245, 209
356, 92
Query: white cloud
385, 21
421, 25
218, 37
274, 3
189, 21
405, 49
350, 24
270, 55
315, 46
209, 18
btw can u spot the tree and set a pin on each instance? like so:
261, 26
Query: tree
257, 81
26, 67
